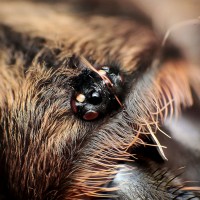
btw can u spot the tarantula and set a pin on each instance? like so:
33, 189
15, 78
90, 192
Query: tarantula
91, 94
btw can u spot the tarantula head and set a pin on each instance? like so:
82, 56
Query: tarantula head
54, 114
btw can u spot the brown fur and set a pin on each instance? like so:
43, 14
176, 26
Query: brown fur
47, 152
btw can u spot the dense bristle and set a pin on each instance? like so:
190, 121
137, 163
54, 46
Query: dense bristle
49, 153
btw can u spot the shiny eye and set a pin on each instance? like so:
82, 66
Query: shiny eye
80, 98
106, 69
96, 93
90, 115
95, 98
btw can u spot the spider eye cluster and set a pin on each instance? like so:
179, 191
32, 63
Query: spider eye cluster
96, 93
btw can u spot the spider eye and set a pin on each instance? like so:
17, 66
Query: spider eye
95, 98
80, 98
90, 115
106, 69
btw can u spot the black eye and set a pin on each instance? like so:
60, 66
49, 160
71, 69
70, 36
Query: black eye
95, 98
